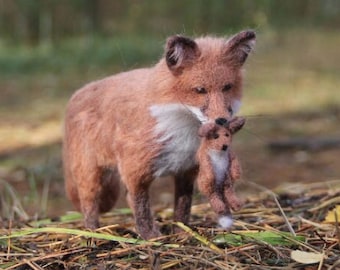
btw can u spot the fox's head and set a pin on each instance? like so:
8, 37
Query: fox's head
196, 82
208, 72
218, 134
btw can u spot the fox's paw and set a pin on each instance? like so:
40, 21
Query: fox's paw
147, 233
91, 223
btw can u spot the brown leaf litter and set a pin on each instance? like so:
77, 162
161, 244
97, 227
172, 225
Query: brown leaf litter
282, 230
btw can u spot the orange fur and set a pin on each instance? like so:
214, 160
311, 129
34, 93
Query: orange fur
116, 128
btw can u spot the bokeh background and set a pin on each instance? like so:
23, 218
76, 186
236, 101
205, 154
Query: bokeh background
50, 48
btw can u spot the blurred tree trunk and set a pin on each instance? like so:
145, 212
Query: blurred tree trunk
29, 23
92, 16
37, 22
46, 23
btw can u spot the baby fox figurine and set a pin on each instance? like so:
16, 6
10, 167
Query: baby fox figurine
219, 167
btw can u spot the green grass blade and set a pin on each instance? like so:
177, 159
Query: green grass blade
88, 234
269, 237
103, 236
69, 217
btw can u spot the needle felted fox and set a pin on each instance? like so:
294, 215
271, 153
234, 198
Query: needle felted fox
219, 166
141, 124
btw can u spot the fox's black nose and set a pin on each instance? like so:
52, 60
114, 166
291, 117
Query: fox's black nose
224, 147
221, 121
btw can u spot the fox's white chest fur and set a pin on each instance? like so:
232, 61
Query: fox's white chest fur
177, 130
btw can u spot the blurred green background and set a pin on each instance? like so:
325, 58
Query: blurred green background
49, 48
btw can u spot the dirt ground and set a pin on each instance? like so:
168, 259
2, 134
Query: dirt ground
39, 184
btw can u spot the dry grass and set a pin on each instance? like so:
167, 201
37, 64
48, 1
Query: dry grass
265, 233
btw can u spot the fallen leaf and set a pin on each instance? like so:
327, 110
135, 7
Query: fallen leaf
306, 257
331, 215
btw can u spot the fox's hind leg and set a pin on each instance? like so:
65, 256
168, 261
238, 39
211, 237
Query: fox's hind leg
109, 192
71, 187
89, 189
98, 192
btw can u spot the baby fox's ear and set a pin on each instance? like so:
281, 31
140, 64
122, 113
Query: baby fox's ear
236, 124
180, 52
239, 47
207, 130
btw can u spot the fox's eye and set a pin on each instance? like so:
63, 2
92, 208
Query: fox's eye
227, 134
200, 90
215, 136
227, 87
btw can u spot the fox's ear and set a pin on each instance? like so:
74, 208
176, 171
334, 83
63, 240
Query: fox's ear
239, 46
180, 52
236, 124
207, 130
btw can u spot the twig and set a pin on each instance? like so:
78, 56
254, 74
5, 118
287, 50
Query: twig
290, 228
33, 265
334, 200
321, 262
199, 237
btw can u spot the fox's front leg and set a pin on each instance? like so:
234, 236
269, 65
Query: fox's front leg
184, 186
137, 178
139, 202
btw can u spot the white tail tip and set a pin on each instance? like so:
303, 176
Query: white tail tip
225, 222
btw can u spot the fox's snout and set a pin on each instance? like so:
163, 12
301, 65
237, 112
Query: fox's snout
224, 147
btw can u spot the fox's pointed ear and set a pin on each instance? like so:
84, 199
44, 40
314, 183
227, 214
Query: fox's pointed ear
180, 52
236, 124
239, 46
207, 130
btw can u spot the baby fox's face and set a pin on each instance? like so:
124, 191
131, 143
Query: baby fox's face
218, 135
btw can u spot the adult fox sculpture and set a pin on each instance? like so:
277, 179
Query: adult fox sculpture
219, 167
142, 124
